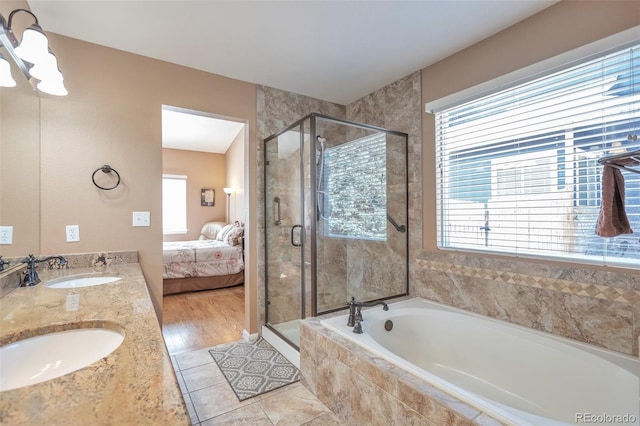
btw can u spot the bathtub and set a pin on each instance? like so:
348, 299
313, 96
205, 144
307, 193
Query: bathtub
515, 374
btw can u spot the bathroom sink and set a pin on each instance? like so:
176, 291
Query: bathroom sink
47, 356
76, 281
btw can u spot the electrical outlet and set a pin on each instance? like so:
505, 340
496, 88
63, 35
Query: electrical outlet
6, 234
73, 233
141, 219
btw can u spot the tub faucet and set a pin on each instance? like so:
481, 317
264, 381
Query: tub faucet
357, 327
355, 312
2, 263
31, 275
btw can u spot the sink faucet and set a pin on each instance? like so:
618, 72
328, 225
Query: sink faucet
31, 275
2, 263
355, 312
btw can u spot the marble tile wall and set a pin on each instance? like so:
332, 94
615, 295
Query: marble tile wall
277, 109
589, 305
394, 107
369, 269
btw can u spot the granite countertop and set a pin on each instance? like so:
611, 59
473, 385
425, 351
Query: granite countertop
135, 384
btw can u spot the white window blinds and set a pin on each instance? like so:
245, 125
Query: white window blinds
517, 171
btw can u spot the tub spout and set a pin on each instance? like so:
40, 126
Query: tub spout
357, 328
355, 313
385, 307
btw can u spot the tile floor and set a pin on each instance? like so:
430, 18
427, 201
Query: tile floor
211, 401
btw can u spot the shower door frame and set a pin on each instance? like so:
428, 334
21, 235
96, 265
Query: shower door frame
345, 122
300, 125
313, 226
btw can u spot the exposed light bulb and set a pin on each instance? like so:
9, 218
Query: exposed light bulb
34, 45
46, 68
53, 87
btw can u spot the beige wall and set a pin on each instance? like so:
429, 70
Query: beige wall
203, 170
113, 116
20, 167
19, 153
234, 162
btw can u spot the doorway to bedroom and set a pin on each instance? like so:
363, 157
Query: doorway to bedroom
203, 229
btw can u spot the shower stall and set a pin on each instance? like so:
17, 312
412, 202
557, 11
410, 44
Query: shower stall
336, 219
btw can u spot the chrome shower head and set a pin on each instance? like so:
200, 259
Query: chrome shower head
319, 156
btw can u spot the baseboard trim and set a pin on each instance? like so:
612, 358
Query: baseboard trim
248, 337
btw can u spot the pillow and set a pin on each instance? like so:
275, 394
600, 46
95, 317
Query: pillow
210, 230
234, 237
224, 231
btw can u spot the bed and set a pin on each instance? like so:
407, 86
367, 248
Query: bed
213, 261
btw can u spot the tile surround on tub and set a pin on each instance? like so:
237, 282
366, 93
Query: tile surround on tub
614, 292
592, 306
362, 388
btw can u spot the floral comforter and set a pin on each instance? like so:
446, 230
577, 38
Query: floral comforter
200, 258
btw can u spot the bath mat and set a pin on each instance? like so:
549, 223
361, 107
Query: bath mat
253, 368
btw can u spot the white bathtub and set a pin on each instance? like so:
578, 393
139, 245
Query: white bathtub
515, 374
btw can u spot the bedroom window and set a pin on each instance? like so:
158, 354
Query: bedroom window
355, 189
517, 171
174, 204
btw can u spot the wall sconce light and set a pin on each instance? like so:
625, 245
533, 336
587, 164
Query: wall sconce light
32, 56
228, 191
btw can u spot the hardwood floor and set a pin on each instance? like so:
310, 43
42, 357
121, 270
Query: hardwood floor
202, 319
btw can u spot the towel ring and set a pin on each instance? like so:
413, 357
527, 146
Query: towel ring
105, 169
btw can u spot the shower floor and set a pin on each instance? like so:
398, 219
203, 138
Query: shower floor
290, 330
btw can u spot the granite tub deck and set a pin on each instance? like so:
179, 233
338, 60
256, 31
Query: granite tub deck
135, 384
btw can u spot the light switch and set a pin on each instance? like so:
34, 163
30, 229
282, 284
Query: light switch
141, 219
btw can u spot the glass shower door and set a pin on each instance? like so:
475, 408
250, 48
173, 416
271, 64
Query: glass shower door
285, 233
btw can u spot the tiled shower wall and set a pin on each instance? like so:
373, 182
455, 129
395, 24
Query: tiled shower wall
277, 109
600, 307
364, 268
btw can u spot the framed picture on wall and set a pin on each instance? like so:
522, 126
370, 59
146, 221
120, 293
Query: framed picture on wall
207, 197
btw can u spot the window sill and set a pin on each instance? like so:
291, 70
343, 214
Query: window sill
174, 231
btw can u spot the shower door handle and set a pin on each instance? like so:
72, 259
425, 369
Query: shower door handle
276, 201
299, 242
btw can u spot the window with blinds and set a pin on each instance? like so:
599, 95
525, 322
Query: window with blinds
355, 189
517, 171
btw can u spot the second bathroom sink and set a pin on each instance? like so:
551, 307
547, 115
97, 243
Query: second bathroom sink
76, 281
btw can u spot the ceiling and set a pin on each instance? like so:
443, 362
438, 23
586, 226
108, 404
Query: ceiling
197, 131
336, 51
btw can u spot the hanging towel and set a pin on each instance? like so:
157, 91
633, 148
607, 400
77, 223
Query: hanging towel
612, 220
